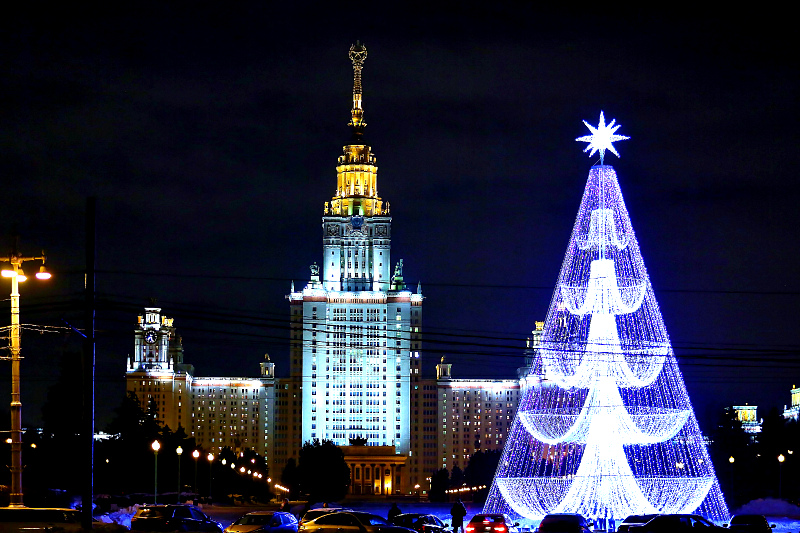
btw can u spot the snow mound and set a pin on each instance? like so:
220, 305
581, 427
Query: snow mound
770, 507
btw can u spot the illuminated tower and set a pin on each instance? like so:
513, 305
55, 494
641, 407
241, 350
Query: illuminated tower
355, 326
613, 433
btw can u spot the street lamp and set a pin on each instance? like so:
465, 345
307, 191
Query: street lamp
781, 459
17, 275
179, 451
210, 475
731, 460
156, 446
195, 454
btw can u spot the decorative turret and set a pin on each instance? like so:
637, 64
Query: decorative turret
267, 368
443, 370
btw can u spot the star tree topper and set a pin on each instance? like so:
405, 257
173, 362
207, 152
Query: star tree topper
601, 138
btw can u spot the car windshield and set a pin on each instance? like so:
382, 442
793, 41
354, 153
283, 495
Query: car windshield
154, 512
749, 520
488, 518
371, 519
253, 520
555, 522
406, 520
638, 518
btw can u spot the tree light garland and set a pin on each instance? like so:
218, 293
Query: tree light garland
611, 430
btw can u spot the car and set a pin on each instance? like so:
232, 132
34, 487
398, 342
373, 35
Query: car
491, 523
676, 523
351, 522
276, 522
42, 519
750, 523
635, 520
172, 518
564, 523
313, 514
421, 523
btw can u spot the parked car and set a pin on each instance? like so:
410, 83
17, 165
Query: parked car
421, 523
351, 522
41, 519
313, 514
491, 523
635, 520
564, 523
276, 522
750, 523
676, 523
172, 518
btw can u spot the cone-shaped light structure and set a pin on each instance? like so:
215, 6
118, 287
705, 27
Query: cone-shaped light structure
609, 429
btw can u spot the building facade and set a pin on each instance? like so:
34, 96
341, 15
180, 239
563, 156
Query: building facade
792, 411
355, 365
218, 411
355, 325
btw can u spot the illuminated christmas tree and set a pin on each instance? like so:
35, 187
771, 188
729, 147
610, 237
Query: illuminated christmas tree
609, 430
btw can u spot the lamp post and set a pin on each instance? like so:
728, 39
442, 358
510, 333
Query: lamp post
179, 451
196, 455
210, 475
781, 459
731, 460
17, 275
156, 446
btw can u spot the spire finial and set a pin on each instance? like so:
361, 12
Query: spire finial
358, 54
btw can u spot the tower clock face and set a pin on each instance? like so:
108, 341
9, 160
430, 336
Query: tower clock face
151, 337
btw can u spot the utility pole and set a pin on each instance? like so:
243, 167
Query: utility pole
88, 366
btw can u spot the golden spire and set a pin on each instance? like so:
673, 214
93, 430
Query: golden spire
357, 172
358, 54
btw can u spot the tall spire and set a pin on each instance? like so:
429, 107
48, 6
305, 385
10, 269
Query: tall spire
357, 172
358, 54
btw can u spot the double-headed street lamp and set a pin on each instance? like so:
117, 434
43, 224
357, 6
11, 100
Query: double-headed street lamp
16, 274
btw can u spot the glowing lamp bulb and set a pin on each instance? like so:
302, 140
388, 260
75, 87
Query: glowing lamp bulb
156, 446
731, 459
195, 454
179, 450
9, 273
781, 458
210, 457
241, 470
43, 273
21, 276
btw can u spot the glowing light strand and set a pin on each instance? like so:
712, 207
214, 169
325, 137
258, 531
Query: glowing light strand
611, 431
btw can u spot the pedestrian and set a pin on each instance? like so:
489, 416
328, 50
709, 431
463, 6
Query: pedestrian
285, 507
458, 511
393, 512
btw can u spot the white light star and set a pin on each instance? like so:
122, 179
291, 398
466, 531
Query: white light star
601, 138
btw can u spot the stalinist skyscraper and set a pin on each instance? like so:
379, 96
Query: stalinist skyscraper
355, 341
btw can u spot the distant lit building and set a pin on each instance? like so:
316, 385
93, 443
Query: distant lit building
218, 411
476, 415
747, 415
792, 411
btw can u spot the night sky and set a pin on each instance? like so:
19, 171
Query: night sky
210, 135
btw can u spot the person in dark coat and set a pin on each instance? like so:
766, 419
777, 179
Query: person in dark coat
393, 512
285, 507
458, 511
